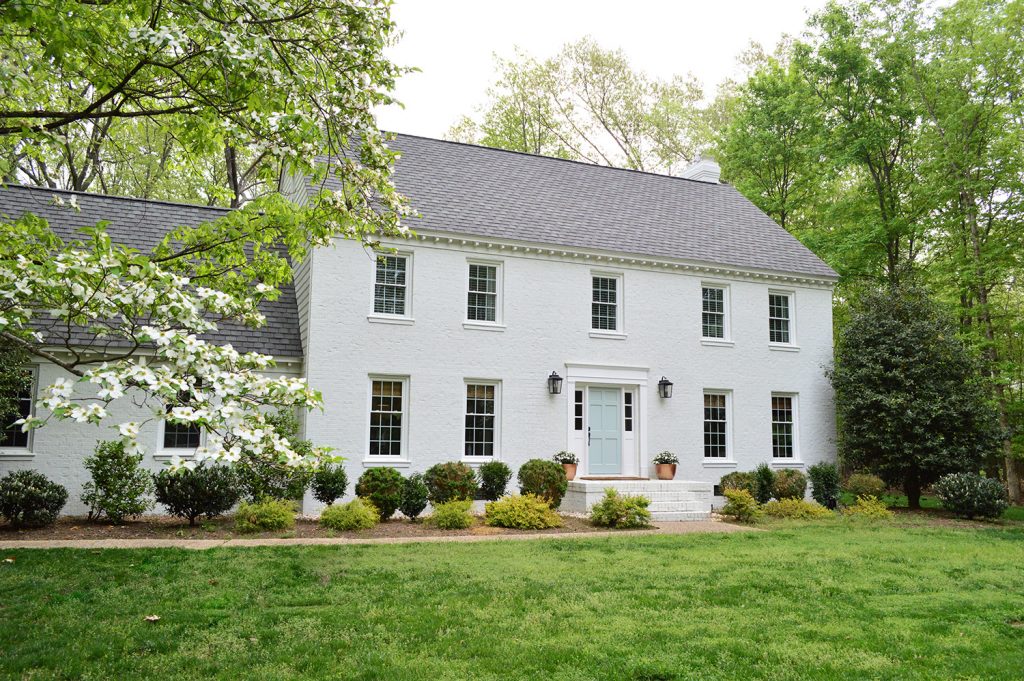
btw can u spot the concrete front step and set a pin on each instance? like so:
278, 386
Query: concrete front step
660, 506
670, 499
691, 515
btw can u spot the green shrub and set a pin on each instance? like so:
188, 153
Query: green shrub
522, 512
414, 496
789, 484
616, 510
329, 483
739, 480
382, 487
825, 483
764, 483
868, 507
450, 481
452, 515
494, 477
864, 485
357, 514
968, 495
790, 507
30, 498
207, 490
119, 489
265, 516
741, 505
545, 479
263, 478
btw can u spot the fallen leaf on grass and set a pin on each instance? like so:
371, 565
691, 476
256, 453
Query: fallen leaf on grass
152, 618
9, 559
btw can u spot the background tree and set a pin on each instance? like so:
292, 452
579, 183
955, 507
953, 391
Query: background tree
911, 405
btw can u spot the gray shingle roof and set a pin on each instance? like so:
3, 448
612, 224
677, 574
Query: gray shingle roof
141, 224
472, 190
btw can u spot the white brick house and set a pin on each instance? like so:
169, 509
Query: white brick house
524, 266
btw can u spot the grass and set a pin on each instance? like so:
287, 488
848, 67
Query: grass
830, 600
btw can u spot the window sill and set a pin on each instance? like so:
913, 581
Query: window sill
717, 342
483, 326
386, 463
478, 460
388, 319
16, 455
786, 463
168, 454
719, 464
609, 335
783, 347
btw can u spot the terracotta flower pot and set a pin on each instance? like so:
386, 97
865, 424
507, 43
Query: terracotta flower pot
665, 471
570, 470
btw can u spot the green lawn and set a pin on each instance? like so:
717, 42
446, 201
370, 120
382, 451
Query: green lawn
833, 600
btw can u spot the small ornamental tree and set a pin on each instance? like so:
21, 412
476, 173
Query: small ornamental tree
119, 488
909, 402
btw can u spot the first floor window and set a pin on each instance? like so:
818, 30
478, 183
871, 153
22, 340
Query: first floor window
387, 406
715, 422
604, 308
782, 426
20, 402
482, 304
778, 317
712, 312
390, 287
181, 435
481, 407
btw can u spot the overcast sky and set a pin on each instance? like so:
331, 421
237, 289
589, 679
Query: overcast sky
452, 43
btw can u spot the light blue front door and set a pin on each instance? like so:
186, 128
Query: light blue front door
604, 431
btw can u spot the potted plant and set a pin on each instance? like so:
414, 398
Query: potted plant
665, 465
569, 462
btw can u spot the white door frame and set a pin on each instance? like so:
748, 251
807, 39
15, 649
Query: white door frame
580, 376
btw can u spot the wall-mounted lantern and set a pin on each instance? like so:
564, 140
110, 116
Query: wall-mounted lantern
555, 383
664, 388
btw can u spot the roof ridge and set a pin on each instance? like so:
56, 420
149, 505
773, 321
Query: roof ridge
555, 158
118, 197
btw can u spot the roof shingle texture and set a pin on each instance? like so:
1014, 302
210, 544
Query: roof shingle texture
466, 189
141, 224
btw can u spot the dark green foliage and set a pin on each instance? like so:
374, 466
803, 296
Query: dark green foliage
545, 479
265, 516
382, 487
450, 482
262, 478
414, 496
825, 483
910, 404
969, 495
616, 510
207, 490
329, 483
119, 489
864, 485
30, 498
494, 477
789, 484
764, 483
739, 480
13, 379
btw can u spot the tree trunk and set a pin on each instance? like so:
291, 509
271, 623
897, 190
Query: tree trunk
912, 488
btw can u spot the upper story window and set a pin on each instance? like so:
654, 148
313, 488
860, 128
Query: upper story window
481, 418
387, 416
11, 435
391, 288
783, 422
780, 316
605, 306
716, 425
714, 300
482, 301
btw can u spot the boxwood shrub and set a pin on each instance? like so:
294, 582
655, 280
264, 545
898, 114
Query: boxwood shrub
30, 498
494, 477
968, 495
522, 512
414, 496
764, 483
789, 484
382, 487
450, 481
545, 479
329, 483
207, 490
824, 483
739, 480
864, 485
358, 514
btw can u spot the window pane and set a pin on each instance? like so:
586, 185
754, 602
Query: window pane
715, 445
386, 418
389, 289
578, 410
778, 318
782, 427
604, 306
713, 312
10, 434
480, 406
628, 409
483, 293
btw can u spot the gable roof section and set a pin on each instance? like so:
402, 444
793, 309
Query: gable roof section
141, 224
471, 190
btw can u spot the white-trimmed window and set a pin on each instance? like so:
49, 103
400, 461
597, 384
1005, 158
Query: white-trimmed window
716, 425
783, 426
714, 312
11, 435
780, 317
482, 303
606, 303
391, 285
181, 435
388, 405
482, 405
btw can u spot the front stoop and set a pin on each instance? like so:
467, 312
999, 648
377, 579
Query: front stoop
670, 499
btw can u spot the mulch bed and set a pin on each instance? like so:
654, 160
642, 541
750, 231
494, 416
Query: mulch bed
163, 527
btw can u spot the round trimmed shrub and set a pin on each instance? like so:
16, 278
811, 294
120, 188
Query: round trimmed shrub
739, 480
265, 516
824, 483
358, 514
414, 496
30, 498
207, 490
452, 515
494, 477
382, 487
450, 481
119, 489
622, 511
329, 483
789, 484
864, 485
968, 495
521, 512
546, 479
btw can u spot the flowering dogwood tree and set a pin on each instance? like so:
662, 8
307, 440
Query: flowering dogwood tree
282, 81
